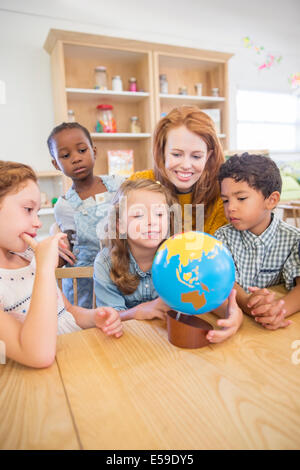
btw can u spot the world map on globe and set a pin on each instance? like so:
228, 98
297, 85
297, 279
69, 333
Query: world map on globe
193, 272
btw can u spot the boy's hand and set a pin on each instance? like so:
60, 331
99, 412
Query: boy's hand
267, 311
108, 320
230, 324
46, 251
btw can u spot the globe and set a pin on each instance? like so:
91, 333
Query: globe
193, 272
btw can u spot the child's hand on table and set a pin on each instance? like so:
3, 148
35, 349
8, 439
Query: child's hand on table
108, 320
150, 310
266, 310
230, 324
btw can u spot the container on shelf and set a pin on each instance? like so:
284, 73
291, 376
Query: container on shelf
120, 162
215, 92
71, 115
163, 84
132, 84
116, 83
198, 89
135, 126
100, 78
182, 90
105, 119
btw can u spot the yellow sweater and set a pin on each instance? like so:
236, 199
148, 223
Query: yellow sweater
212, 223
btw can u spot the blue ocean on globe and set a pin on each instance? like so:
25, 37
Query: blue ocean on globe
193, 272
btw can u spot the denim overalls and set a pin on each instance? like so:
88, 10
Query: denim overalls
87, 214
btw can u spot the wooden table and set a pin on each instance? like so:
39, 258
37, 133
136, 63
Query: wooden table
291, 210
140, 392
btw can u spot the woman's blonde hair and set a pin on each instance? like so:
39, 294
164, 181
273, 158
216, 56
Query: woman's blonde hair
13, 176
120, 274
206, 189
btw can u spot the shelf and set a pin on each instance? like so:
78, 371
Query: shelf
46, 211
49, 174
74, 57
115, 96
193, 98
119, 136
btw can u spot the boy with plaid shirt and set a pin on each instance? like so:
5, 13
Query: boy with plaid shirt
266, 250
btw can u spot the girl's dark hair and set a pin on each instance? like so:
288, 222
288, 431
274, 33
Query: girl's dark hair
259, 171
63, 126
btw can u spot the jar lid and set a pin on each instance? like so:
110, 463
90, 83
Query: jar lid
132, 79
116, 76
134, 118
70, 111
163, 76
100, 68
104, 106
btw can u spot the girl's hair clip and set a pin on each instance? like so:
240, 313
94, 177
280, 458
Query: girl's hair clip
158, 182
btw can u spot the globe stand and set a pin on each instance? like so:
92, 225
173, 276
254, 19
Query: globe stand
187, 331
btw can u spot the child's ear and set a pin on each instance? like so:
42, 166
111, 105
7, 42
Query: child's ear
95, 151
273, 200
54, 163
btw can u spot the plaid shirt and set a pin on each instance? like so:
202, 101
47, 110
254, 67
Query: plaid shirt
265, 260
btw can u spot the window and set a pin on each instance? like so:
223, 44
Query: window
268, 121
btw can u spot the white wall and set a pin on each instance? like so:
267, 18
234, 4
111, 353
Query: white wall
27, 117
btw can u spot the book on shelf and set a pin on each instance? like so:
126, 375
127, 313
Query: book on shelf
215, 115
120, 162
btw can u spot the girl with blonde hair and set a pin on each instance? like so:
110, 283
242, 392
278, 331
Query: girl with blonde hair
138, 223
141, 218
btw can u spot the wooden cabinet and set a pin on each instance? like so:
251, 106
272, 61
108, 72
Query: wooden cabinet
185, 71
74, 57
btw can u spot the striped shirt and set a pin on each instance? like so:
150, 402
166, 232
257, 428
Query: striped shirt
265, 260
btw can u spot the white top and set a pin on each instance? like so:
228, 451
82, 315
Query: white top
16, 287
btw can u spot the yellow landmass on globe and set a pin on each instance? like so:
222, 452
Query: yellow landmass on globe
191, 246
198, 300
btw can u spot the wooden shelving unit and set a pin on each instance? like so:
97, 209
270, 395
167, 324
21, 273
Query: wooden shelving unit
183, 69
74, 57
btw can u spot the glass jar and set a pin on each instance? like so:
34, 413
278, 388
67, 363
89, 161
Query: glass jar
215, 92
132, 84
198, 89
163, 84
135, 126
100, 78
71, 115
116, 83
105, 119
182, 90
